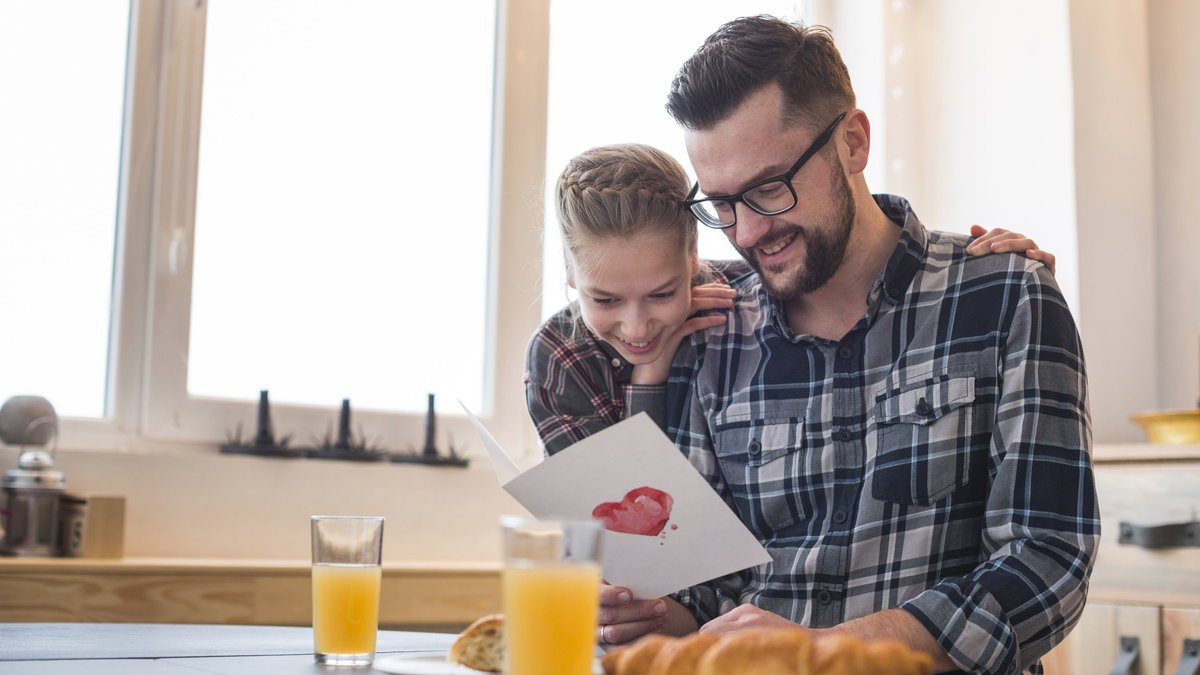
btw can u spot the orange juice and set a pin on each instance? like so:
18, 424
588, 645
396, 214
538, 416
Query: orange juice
345, 608
550, 616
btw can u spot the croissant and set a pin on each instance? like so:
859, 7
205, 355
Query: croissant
777, 651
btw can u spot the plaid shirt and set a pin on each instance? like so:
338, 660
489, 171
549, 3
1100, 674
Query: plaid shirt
935, 459
577, 384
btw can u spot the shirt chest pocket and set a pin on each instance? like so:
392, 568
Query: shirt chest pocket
764, 465
927, 437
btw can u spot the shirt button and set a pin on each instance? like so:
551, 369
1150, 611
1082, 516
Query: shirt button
824, 597
839, 517
616, 363
843, 435
755, 447
923, 408
893, 293
845, 352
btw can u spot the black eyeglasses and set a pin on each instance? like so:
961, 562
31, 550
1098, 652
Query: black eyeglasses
769, 196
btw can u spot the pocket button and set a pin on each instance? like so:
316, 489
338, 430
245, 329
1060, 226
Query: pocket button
923, 408
755, 447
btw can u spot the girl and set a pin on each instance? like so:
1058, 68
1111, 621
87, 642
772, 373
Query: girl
630, 251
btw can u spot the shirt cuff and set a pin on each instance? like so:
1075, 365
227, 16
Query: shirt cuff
689, 601
969, 623
648, 398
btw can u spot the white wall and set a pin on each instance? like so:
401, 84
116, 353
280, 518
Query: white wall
1114, 162
1175, 95
218, 506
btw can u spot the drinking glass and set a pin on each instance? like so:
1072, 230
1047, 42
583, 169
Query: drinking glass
346, 574
551, 591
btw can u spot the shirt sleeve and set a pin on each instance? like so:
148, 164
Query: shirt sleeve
648, 398
560, 420
567, 398
1041, 522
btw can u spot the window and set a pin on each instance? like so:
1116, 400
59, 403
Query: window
335, 183
306, 197
60, 142
342, 206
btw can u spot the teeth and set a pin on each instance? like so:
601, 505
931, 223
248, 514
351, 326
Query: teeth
639, 345
778, 246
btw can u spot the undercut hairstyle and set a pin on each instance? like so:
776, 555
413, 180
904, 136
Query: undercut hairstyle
749, 53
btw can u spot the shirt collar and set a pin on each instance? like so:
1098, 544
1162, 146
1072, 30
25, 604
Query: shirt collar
893, 282
897, 275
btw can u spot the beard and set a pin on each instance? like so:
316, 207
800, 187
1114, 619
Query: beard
824, 250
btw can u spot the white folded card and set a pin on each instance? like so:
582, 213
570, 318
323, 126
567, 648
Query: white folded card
666, 528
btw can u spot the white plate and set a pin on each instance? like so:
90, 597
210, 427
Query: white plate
432, 664
421, 664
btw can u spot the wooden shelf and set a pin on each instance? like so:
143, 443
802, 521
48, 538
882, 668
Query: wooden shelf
428, 596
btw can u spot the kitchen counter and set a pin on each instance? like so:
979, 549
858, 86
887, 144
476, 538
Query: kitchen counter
425, 596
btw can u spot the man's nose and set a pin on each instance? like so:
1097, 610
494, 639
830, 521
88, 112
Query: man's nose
750, 228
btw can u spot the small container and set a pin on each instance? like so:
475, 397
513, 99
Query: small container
32, 493
1171, 426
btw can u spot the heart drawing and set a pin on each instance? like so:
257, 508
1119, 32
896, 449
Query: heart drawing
644, 511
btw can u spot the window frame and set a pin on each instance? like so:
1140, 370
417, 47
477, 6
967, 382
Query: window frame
148, 407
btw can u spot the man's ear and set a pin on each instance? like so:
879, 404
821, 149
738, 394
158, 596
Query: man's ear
857, 134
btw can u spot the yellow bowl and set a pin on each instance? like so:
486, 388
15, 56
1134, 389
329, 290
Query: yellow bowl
1171, 426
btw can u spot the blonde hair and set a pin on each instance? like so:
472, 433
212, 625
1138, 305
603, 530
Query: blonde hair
622, 191
625, 190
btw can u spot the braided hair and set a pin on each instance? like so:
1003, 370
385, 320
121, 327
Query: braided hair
622, 191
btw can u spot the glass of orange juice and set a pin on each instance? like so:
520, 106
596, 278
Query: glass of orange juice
346, 573
551, 593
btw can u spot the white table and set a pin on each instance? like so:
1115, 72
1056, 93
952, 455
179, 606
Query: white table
179, 649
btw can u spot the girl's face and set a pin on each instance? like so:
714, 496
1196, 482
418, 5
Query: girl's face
633, 292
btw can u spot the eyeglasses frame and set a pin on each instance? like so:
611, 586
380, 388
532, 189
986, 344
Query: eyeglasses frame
786, 178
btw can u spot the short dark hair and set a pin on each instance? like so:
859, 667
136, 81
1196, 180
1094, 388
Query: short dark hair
749, 53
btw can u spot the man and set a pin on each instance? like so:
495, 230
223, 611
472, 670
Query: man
902, 425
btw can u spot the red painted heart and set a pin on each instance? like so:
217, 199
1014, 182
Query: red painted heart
644, 511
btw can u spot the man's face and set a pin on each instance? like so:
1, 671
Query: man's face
795, 252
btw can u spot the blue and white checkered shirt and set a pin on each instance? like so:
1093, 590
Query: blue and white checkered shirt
935, 459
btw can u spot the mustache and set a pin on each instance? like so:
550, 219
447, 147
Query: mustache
751, 254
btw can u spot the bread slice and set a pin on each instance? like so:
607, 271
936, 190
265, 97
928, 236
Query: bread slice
481, 645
